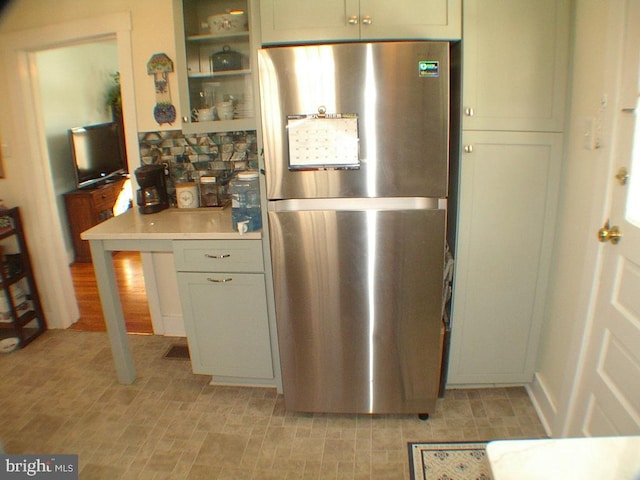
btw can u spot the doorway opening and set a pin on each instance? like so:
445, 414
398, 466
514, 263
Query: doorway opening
74, 89
43, 146
133, 295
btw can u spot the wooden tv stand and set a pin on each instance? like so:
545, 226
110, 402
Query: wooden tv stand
88, 207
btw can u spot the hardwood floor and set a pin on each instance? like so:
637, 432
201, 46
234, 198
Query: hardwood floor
133, 295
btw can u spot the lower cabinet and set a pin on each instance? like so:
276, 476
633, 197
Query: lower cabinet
225, 309
509, 189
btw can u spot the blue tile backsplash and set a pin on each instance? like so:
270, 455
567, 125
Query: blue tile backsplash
187, 157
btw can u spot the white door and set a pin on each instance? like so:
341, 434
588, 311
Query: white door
608, 398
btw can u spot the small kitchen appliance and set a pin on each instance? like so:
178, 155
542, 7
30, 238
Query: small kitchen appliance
152, 194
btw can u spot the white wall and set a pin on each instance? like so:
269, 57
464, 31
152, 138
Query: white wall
151, 32
72, 82
582, 211
144, 27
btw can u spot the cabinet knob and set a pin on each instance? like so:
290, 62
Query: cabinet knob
468, 149
469, 112
366, 20
353, 20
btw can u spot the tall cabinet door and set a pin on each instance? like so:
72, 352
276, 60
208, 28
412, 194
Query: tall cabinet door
507, 215
515, 64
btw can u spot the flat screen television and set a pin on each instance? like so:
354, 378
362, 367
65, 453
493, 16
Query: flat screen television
98, 153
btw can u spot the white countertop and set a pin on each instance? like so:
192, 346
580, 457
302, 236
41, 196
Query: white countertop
170, 224
591, 458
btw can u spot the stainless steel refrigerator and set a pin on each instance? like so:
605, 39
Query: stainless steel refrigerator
356, 146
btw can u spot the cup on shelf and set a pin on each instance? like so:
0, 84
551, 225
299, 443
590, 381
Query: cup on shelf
204, 114
225, 110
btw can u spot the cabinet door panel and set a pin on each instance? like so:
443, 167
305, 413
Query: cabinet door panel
509, 186
227, 325
432, 19
292, 20
200, 86
515, 64
289, 21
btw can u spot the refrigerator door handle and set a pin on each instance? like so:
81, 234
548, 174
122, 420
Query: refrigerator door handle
350, 204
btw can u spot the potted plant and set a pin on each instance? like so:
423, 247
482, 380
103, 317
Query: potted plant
113, 98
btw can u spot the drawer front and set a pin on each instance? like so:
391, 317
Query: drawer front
218, 255
104, 198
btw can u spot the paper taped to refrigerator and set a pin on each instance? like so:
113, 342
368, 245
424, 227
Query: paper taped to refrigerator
319, 142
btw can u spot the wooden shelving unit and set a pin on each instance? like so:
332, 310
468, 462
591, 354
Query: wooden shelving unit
21, 315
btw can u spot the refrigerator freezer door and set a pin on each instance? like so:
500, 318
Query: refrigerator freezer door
399, 92
358, 303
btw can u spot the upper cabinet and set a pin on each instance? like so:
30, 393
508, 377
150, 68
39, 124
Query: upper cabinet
295, 21
216, 64
515, 64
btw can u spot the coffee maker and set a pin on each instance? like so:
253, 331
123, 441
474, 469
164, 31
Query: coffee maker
152, 195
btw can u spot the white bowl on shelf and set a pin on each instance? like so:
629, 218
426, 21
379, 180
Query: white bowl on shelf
233, 22
9, 344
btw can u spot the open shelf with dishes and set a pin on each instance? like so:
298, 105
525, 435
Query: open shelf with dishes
21, 315
215, 65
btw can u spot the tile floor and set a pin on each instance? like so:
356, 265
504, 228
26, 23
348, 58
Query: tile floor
59, 395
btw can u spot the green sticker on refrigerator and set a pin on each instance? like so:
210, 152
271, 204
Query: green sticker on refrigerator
428, 68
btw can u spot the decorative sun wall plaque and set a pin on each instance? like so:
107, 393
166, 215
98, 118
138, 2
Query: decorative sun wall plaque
160, 65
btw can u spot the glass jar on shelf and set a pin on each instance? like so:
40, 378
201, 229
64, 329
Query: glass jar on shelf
213, 191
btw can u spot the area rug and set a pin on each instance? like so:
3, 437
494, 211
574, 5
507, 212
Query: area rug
449, 461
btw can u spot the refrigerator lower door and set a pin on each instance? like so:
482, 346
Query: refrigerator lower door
358, 303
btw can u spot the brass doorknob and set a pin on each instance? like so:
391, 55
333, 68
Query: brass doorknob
622, 176
609, 234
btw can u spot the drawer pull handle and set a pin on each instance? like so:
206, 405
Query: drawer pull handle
217, 280
224, 255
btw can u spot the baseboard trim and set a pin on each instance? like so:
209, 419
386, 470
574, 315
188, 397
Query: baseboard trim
173, 326
543, 402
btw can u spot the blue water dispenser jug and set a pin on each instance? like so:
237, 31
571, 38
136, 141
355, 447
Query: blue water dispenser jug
245, 202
